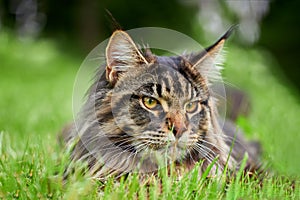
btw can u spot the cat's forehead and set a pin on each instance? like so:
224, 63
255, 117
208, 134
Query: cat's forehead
163, 80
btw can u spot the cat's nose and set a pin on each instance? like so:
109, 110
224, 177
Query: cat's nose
176, 124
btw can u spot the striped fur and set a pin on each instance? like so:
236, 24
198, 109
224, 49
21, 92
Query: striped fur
116, 133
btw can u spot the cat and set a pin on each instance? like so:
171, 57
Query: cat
147, 111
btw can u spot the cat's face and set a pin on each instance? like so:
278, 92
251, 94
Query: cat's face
161, 104
161, 109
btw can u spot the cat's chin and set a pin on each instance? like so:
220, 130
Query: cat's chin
168, 154
176, 153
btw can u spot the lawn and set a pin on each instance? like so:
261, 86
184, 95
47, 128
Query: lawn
36, 83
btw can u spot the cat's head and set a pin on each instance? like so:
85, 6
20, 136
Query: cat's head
160, 104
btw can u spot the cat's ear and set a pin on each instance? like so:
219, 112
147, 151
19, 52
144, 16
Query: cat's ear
121, 55
208, 62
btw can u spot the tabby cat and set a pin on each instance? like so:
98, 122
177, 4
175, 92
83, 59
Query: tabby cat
149, 111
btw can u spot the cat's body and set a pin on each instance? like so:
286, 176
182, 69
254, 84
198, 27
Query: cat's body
149, 111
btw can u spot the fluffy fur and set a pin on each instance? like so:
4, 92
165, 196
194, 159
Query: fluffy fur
149, 111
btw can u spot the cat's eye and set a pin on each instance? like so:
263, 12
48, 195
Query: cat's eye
149, 102
191, 106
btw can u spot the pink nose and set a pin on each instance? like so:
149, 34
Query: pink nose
176, 123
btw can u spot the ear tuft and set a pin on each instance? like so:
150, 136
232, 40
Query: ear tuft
121, 55
209, 61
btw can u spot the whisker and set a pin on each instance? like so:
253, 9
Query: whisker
221, 149
231, 139
209, 157
206, 155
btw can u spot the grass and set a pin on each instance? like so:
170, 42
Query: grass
36, 80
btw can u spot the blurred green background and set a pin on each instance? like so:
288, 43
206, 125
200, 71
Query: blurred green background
273, 24
42, 44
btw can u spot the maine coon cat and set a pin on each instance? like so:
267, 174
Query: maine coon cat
148, 111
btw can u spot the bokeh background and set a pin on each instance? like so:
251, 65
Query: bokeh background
42, 44
273, 24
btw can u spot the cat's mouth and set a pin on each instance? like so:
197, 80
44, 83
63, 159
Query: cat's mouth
174, 150
176, 153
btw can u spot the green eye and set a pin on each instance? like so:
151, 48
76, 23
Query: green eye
191, 107
149, 102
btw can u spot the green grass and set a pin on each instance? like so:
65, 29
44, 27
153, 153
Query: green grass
36, 80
